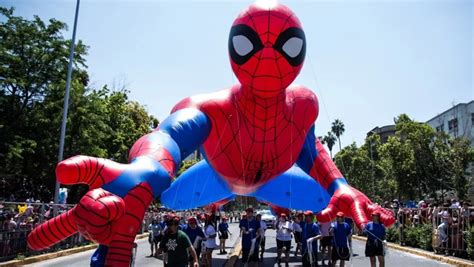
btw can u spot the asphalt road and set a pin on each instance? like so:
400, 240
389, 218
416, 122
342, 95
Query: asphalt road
142, 259
394, 258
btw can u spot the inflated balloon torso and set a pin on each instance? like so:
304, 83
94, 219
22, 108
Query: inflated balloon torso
250, 142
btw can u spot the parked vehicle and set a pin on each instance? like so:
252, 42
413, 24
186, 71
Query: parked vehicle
267, 217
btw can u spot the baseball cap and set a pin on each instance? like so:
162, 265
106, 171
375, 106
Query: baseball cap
192, 220
283, 215
308, 213
249, 210
376, 213
340, 214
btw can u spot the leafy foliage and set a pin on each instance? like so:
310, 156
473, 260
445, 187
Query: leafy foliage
338, 129
101, 122
469, 239
415, 163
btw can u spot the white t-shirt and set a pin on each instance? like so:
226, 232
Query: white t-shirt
297, 227
324, 228
284, 231
211, 241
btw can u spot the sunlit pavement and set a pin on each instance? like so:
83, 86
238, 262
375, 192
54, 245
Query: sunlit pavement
394, 258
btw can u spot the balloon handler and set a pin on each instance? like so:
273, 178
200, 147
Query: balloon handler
257, 138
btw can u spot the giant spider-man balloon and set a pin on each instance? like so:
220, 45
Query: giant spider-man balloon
257, 138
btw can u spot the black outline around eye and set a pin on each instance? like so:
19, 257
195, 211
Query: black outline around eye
284, 37
251, 35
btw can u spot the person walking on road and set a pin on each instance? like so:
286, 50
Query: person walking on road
284, 229
261, 238
195, 235
249, 228
223, 234
310, 235
210, 233
341, 232
177, 246
155, 236
375, 240
326, 241
297, 230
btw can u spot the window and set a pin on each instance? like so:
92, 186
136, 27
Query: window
453, 124
440, 128
472, 118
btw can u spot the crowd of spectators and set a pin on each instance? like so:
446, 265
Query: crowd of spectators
450, 220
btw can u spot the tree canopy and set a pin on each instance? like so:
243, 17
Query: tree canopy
101, 122
416, 163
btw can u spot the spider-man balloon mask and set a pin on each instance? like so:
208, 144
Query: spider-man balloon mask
267, 47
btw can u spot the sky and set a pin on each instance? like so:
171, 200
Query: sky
367, 61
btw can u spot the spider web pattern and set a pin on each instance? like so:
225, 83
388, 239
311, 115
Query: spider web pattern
267, 73
253, 139
323, 168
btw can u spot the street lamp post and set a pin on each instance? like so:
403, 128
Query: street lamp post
66, 100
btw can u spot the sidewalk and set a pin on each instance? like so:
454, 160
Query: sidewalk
427, 254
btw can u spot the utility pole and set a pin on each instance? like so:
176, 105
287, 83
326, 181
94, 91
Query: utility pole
66, 101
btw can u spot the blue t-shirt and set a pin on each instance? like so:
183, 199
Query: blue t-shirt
309, 230
341, 231
193, 233
247, 238
375, 231
223, 227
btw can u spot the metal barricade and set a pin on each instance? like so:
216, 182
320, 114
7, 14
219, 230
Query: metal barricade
450, 227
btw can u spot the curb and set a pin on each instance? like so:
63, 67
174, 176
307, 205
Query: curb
52, 255
426, 254
234, 254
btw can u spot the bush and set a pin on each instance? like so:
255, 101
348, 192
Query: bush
392, 235
410, 236
425, 236
419, 236
469, 239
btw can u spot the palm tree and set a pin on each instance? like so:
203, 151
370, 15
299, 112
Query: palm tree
338, 129
329, 140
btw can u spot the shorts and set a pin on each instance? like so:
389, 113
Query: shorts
340, 254
286, 244
326, 241
252, 258
374, 248
298, 237
223, 235
155, 239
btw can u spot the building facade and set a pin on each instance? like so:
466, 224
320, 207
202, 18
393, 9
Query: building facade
457, 121
384, 132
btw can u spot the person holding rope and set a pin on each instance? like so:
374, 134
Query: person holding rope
250, 230
297, 230
177, 246
223, 234
326, 241
341, 232
195, 235
310, 235
210, 243
261, 238
154, 237
284, 228
375, 240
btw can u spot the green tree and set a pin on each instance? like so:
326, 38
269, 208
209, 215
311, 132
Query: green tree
101, 122
329, 140
338, 129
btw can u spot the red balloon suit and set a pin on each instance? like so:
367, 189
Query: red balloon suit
257, 137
